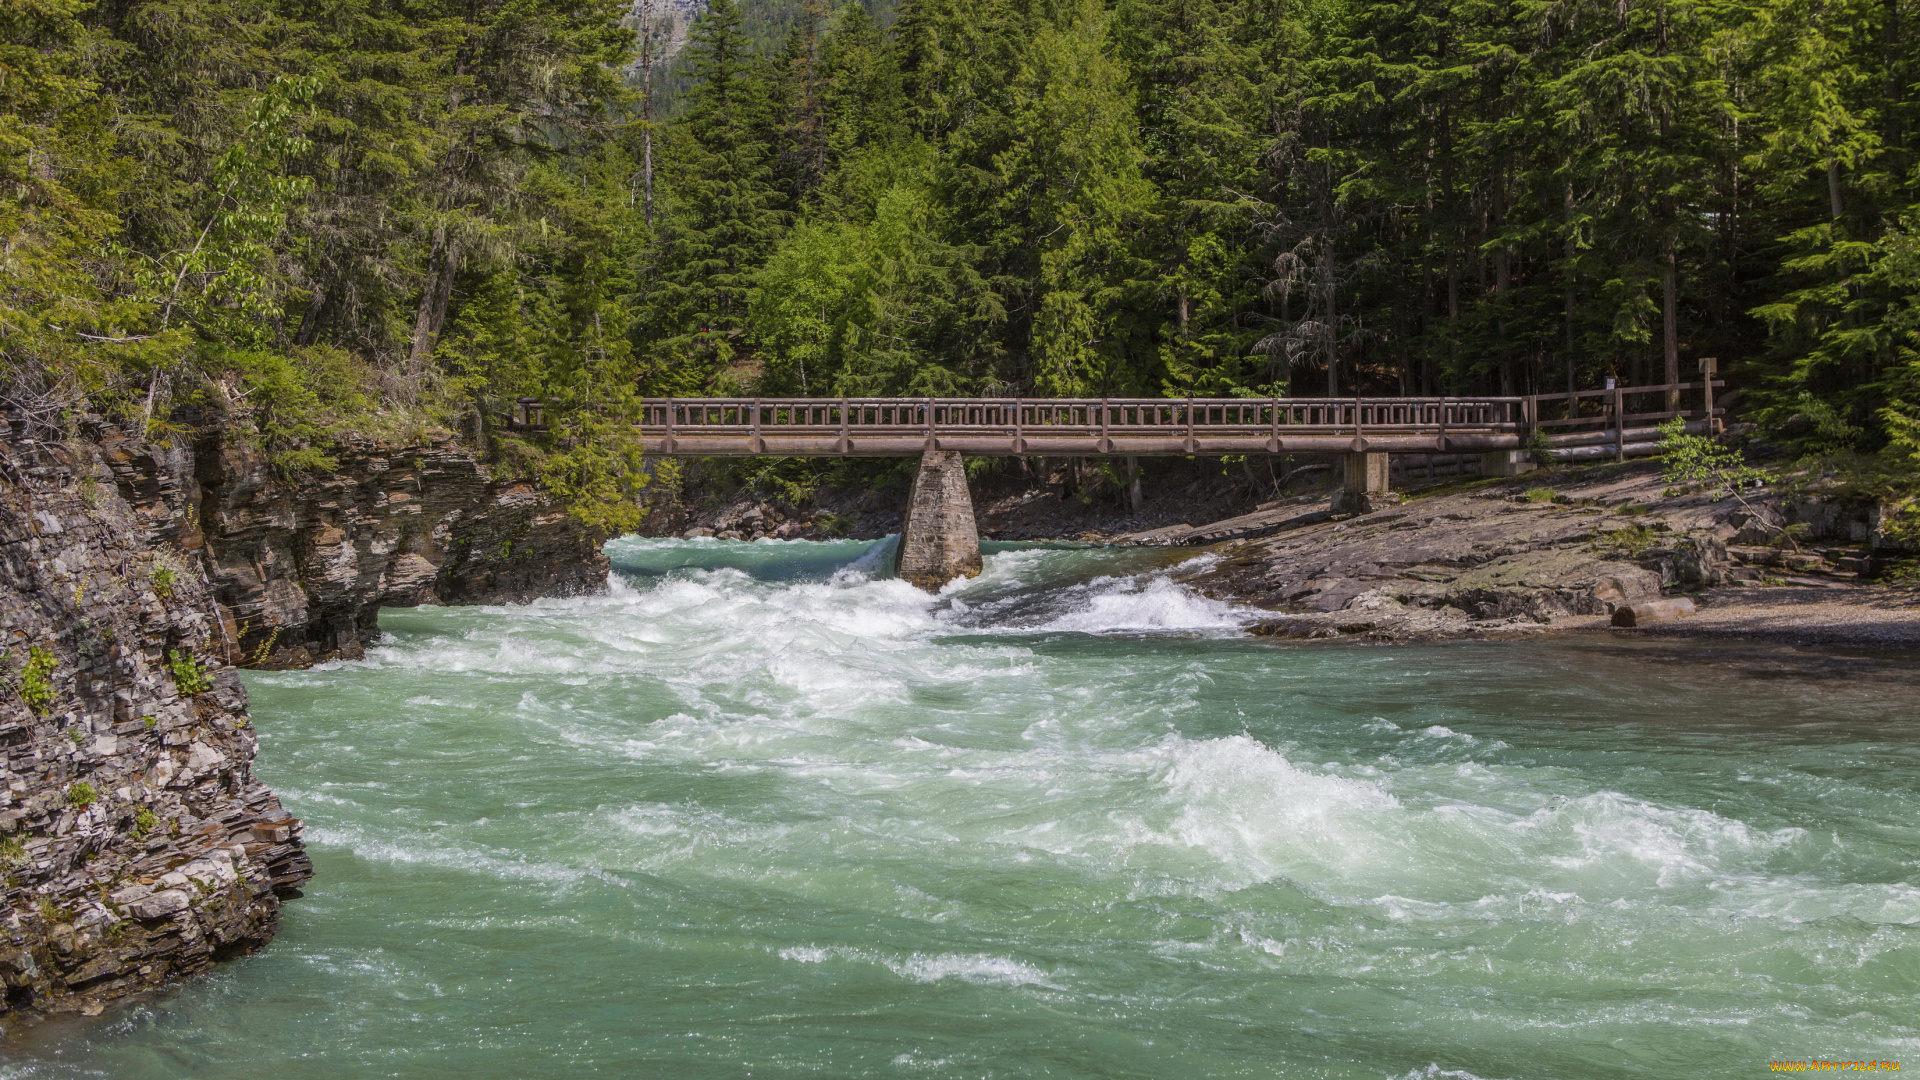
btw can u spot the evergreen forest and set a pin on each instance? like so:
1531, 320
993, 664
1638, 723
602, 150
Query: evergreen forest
315, 216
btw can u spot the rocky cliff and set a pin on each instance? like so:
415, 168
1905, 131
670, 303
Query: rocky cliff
301, 566
135, 842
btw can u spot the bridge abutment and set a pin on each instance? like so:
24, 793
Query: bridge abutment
1505, 463
938, 540
1363, 484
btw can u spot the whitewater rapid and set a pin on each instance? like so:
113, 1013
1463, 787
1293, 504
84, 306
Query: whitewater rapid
760, 808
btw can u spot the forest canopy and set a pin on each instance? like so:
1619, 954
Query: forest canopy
316, 216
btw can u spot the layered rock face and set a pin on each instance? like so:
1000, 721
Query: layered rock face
1590, 545
136, 844
301, 567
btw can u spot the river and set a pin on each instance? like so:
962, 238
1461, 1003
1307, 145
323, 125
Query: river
759, 811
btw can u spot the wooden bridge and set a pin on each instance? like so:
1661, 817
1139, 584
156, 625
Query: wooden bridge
1142, 427
939, 540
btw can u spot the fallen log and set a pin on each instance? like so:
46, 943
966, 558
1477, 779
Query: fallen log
1652, 611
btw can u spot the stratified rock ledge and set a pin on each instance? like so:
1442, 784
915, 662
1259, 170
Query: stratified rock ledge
136, 844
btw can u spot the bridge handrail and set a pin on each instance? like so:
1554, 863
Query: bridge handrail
981, 414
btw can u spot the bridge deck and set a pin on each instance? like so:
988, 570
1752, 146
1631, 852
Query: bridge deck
1145, 427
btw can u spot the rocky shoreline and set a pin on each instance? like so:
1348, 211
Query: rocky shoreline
1564, 550
1558, 550
136, 845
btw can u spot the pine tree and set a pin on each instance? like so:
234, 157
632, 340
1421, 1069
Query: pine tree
726, 214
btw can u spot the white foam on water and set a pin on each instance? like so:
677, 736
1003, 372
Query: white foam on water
866, 747
1435, 1072
981, 969
1132, 605
451, 855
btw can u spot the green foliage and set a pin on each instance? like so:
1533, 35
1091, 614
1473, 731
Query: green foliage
80, 795
1629, 542
1538, 449
189, 675
1694, 459
144, 821
12, 852
50, 911
163, 578
310, 220
1539, 495
36, 679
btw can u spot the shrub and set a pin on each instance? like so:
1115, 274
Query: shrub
1693, 459
1539, 449
81, 794
144, 821
1540, 495
36, 681
189, 677
163, 578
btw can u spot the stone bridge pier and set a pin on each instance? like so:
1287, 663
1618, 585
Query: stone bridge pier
938, 540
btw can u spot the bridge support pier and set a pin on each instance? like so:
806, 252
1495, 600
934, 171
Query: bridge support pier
1363, 484
938, 540
1505, 463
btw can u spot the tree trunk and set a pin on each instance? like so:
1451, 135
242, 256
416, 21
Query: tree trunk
310, 322
441, 265
1332, 311
1670, 318
646, 111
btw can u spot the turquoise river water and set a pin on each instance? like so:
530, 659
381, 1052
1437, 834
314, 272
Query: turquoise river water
759, 811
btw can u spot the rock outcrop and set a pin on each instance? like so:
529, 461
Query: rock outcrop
302, 566
136, 844
1517, 552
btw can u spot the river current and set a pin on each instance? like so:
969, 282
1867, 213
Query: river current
761, 811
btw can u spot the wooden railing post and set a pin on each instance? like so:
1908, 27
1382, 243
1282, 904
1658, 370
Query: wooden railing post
670, 426
1707, 366
1619, 419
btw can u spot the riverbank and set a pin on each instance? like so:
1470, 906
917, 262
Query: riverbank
1557, 550
1563, 551
136, 577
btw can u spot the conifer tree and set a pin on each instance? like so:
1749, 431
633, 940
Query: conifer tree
726, 214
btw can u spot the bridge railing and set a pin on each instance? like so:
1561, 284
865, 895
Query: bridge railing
1093, 416
1629, 406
